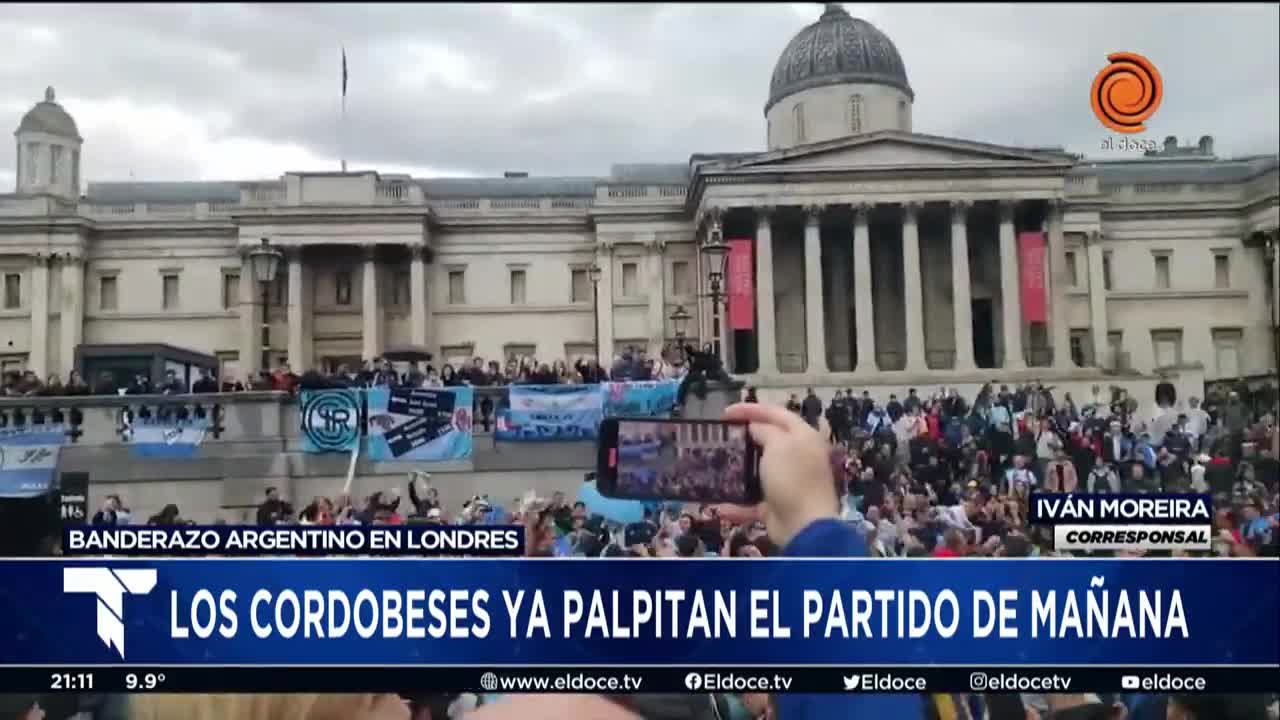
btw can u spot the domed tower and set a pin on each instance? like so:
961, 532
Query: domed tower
48, 151
839, 76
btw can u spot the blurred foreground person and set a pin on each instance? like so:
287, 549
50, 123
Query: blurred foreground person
268, 707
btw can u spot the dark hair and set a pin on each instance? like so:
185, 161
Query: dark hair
271, 489
687, 545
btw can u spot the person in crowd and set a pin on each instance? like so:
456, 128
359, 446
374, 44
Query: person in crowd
108, 513
811, 408
168, 515
449, 377
205, 383
273, 509
268, 707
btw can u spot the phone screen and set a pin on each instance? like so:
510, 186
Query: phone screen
692, 460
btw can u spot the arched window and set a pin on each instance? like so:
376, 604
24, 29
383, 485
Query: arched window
902, 115
855, 114
797, 115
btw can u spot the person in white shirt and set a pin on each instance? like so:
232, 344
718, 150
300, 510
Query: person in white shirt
1197, 422
1018, 474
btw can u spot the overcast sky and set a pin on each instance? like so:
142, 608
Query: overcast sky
217, 91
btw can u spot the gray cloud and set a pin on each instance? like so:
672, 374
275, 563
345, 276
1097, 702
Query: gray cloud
178, 91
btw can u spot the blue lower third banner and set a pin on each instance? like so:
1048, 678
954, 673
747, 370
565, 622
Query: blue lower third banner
29, 459
167, 438
541, 413
703, 613
419, 424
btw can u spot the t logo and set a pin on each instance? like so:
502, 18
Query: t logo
110, 586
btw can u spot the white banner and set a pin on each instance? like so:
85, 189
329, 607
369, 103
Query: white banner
1132, 537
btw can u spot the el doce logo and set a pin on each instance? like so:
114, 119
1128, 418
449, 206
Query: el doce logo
1127, 92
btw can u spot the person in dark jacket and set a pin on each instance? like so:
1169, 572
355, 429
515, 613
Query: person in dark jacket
273, 509
811, 408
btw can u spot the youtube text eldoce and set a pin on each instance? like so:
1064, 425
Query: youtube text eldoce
863, 421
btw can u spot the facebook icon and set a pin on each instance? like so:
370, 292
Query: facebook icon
110, 586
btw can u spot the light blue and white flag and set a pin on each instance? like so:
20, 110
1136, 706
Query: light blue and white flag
29, 459
541, 413
168, 438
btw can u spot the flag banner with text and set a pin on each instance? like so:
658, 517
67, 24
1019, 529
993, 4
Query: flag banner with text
331, 419
655, 398
100, 611
740, 279
419, 424
168, 437
1031, 249
542, 413
29, 459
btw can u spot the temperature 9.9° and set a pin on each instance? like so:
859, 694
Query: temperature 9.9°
143, 681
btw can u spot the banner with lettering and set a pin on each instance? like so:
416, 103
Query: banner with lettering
739, 276
74, 487
1031, 250
29, 459
419, 424
542, 413
331, 420
640, 399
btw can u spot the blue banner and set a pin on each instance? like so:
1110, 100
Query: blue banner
541, 413
640, 399
630, 612
168, 438
330, 420
29, 459
419, 424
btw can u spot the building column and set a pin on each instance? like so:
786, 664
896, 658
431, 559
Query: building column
604, 304
914, 295
1010, 290
250, 320
1061, 337
814, 327
371, 306
962, 307
766, 320
71, 326
1098, 329
863, 305
419, 309
657, 297
299, 313
38, 355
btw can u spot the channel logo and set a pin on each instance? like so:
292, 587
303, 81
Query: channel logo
110, 586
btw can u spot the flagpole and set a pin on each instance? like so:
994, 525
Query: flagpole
342, 122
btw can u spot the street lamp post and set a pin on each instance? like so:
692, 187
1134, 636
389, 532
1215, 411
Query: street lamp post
680, 321
265, 261
593, 273
717, 255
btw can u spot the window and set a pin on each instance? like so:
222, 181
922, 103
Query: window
456, 355
1070, 269
855, 114
457, 287
33, 167
75, 171
519, 350
680, 285
902, 115
630, 278
11, 363
575, 351
1106, 271
12, 291
107, 292
1162, 272
579, 286
1081, 348
1222, 271
1226, 353
55, 159
1167, 345
169, 291
400, 290
230, 290
342, 287
228, 364
517, 287
797, 117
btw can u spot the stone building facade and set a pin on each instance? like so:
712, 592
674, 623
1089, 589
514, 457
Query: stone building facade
884, 256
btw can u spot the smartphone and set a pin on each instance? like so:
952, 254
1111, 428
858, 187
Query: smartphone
704, 461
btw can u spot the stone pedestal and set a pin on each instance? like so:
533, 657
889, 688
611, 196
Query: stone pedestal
719, 396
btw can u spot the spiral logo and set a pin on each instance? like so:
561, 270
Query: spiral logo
1126, 92
330, 419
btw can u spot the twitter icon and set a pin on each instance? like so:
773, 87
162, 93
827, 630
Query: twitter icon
852, 682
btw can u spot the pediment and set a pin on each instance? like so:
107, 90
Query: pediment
894, 149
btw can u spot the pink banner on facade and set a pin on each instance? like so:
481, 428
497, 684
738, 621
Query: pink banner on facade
741, 289
1031, 249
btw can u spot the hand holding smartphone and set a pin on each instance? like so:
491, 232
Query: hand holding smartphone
705, 461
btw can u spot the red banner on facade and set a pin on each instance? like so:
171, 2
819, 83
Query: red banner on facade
1031, 249
740, 277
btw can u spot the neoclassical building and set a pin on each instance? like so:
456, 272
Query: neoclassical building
883, 255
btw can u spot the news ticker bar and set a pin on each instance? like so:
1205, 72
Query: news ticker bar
410, 680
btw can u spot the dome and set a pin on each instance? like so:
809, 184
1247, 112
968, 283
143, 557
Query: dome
49, 117
838, 49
